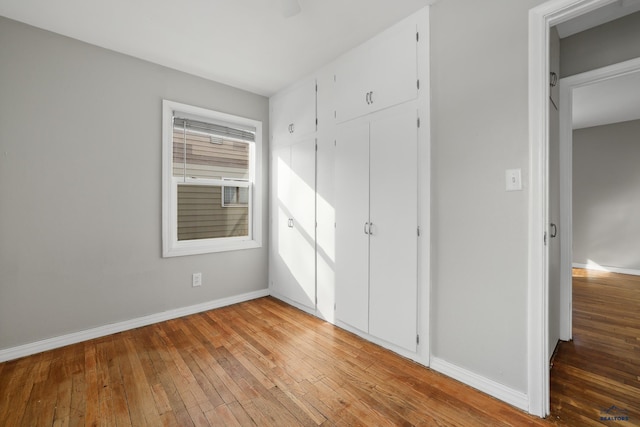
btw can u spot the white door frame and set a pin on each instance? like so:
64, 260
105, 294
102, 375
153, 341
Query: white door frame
567, 86
541, 19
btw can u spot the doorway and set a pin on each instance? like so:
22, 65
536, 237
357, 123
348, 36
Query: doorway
568, 87
541, 19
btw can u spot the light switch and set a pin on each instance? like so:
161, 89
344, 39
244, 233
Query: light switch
514, 179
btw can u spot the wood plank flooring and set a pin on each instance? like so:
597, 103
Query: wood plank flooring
600, 368
258, 363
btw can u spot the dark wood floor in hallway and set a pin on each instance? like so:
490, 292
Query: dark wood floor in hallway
597, 375
258, 363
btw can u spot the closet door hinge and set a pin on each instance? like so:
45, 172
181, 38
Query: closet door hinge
418, 121
417, 37
545, 238
418, 84
418, 231
418, 339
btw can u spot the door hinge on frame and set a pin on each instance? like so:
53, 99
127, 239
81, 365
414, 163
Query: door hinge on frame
545, 238
418, 231
418, 339
418, 121
417, 36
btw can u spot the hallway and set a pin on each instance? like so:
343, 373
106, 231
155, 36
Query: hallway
597, 375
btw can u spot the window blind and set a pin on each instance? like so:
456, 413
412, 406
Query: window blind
210, 150
215, 129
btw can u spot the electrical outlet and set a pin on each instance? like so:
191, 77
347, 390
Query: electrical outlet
196, 279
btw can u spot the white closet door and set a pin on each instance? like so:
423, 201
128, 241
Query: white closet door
352, 214
293, 209
281, 244
303, 234
393, 241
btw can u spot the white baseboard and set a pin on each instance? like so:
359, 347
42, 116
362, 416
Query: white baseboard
485, 385
293, 303
415, 356
607, 268
101, 331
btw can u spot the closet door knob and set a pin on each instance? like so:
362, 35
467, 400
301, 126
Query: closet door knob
367, 98
371, 97
554, 227
366, 231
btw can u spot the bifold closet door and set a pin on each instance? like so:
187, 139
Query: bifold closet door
393, 278
352, 217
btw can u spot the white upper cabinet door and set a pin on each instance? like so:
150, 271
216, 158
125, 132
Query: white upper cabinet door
293, 112
393, 284
394, 61
353, 82
352, 218
378, 74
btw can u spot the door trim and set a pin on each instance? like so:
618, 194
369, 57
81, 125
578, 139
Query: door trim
541, 19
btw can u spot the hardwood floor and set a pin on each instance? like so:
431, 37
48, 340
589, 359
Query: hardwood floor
257, 363
600, 368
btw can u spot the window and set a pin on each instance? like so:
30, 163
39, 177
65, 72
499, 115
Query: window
210, 195
235, 196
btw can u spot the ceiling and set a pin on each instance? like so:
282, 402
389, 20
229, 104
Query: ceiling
243, 43
602, 15
610, 101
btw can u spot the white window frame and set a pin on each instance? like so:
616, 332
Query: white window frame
171, 246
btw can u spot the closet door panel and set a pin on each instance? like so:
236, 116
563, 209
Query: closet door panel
352, 84
280, 235
352, 214
293, 112
303, 207
381, 73
393, 240
394, 62
303, 185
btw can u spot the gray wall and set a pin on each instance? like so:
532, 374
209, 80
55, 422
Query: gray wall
80, 189
607, 44
606, 195
479, 231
